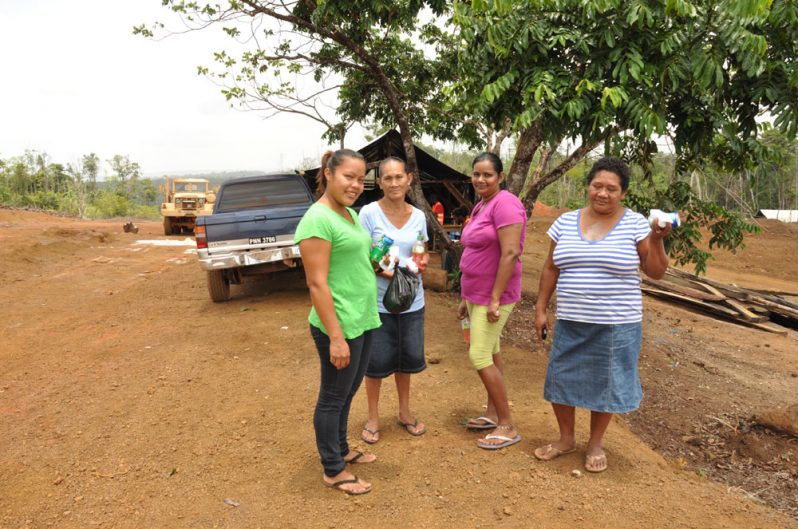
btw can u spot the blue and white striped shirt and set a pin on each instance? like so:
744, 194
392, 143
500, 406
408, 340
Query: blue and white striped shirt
599, 280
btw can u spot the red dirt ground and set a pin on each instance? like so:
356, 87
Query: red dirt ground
128, 399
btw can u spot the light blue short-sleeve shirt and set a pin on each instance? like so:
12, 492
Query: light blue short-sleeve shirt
374, 221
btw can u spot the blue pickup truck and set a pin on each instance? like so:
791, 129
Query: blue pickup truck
251, 230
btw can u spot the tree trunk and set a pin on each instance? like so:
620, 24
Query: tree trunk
545, 154
574, 158
416, 193
528, 144
494, 138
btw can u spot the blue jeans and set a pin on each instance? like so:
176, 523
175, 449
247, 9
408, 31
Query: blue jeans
337, 388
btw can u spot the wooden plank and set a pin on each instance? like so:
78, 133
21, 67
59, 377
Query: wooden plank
775, 299
709, 288
681, 289
456, 194
744, 311
771, 302
722, 286
759, 310
731, 291
714, 308
711, 307
780, 309
768, 328
683, 281
775, 292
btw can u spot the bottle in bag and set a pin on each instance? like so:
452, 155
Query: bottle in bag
465, 324
379, 251
417, 251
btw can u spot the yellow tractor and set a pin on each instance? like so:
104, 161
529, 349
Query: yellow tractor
185, 200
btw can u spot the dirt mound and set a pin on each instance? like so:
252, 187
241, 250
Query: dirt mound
776, 228
542, 210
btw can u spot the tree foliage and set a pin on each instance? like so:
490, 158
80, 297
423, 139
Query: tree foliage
585, 73
32, 181
617, 73
726, 228
375, 49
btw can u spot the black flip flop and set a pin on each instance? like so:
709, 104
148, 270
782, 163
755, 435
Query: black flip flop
372, 432
358, 455
407, 426
338, 484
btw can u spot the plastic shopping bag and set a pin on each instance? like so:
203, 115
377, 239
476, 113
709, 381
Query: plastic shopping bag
401, 290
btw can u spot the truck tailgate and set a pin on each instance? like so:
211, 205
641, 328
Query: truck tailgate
246, 230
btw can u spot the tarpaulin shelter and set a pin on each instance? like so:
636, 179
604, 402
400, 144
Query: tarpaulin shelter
450, 186
784, 215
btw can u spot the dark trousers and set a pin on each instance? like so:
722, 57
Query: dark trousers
338, 386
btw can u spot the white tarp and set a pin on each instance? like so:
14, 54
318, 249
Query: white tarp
167, 242
784, 215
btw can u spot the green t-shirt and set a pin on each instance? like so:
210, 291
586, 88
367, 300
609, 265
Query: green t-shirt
351, 279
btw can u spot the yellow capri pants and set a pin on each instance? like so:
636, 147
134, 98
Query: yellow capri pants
484, 334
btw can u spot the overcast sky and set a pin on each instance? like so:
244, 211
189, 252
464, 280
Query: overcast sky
76, 80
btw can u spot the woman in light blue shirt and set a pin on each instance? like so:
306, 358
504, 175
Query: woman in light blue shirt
398, 345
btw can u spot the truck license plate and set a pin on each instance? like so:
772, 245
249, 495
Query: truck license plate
262, 240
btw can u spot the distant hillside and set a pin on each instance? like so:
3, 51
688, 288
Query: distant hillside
215, 178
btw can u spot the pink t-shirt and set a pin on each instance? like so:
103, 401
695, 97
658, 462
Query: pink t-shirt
481, 252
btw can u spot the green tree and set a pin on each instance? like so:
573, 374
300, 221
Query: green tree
90, 168
123, 169
373, 52
617, 73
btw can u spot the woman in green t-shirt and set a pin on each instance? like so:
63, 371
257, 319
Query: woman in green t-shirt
343, 291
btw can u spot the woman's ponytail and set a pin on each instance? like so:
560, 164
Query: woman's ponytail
321, 181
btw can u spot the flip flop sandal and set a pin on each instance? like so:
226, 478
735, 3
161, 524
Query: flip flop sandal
506, 441
594, 460
374, 433
356, 459
407, 426
340, 484
548, 452
489, 424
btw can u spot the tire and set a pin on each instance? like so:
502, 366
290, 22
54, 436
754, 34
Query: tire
218, 286
167, 226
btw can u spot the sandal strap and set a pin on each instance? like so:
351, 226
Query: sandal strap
358, 455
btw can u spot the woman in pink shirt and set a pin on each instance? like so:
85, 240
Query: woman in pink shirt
490, 286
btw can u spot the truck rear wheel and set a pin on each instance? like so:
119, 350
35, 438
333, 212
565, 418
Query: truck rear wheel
218, 286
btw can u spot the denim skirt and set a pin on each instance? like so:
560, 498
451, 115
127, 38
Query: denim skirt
594, 366
397, 345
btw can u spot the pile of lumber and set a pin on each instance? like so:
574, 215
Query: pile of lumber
751, 307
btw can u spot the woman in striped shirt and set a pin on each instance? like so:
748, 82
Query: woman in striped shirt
593, 262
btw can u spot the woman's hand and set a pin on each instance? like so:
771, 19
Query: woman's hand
422, 265
493, 312
653, 258
462, 310
541, 325
339, 352
658, 233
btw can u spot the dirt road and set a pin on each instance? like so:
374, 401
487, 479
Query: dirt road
128, 399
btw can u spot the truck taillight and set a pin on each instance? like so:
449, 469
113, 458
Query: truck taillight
199, 234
